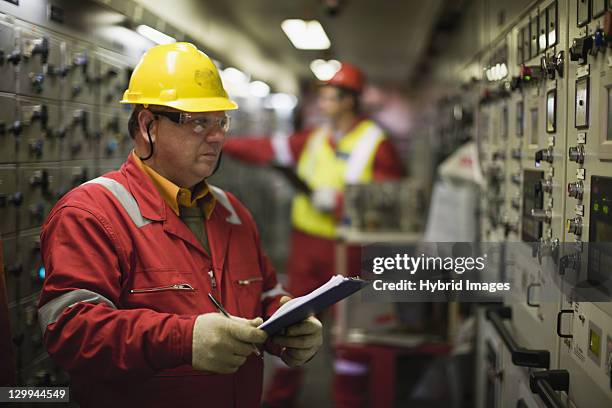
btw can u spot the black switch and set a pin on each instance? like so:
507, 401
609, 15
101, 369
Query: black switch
16, 128
41, 48
14, 57
16, 199
43, 115
580, 49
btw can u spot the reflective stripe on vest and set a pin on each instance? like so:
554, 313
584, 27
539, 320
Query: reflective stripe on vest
320, 166
52, 310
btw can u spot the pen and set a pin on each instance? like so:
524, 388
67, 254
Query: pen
222, 310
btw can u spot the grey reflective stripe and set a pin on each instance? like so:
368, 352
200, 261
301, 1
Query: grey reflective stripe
362, 152
51, 311
127, 201
275, 291
224, 201
282, 150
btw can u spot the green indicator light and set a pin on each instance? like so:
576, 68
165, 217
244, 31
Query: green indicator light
605, 209
596, 207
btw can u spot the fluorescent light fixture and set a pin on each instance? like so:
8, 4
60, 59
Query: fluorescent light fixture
324, 70
236, 82
281, 102
152, 34
234, 75
306, 35
259, 89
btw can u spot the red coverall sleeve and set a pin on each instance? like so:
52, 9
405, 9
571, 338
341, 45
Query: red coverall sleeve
83, 261
262, 150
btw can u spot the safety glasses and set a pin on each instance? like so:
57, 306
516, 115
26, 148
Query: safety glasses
197, 124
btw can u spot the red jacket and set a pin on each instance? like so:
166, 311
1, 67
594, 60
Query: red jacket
111, 316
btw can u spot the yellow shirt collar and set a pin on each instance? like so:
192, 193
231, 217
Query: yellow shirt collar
176, 196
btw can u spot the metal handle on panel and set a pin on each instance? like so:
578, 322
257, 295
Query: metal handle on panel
520, 356
559, 316
546, 383
529, 302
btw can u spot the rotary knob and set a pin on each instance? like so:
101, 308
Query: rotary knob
516, 178
547, 185
574, 225
575, 190
517, 154
544, 155
576, 154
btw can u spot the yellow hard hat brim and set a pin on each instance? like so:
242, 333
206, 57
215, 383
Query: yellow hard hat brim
192, 104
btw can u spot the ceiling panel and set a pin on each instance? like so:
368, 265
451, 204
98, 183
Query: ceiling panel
386, 38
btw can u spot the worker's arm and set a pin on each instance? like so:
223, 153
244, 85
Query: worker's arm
267, 150
84, 329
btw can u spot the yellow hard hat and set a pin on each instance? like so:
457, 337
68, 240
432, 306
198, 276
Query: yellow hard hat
179, 76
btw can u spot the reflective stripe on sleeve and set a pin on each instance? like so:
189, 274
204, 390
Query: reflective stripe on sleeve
348, 367
282, 151
52, 310
127, 201
275, 291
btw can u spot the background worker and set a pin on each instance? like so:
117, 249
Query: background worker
132, 256
347, 149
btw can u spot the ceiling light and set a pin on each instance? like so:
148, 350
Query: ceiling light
281, 102
156, 36
259, 89
306, 35
324, 70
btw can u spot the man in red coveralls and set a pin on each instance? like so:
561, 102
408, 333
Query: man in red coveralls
132, 256
347, 149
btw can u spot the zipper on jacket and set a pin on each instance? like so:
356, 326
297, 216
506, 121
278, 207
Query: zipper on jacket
213, 281
250, 280
178, 286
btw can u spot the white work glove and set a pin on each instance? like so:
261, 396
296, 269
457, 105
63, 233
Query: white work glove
222, 344
324, 199
300, 341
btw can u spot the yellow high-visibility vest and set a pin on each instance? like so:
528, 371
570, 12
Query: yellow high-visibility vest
320, 166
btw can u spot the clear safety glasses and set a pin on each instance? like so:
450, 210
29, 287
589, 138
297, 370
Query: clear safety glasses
198, 124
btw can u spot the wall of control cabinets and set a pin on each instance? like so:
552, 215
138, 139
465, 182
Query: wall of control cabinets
61, 124
544, 129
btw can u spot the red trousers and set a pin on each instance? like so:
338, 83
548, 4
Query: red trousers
312, 263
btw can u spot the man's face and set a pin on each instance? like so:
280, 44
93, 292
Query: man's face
186, 153
333, 103
330, 101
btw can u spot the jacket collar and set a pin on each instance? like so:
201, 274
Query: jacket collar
153, 206
150, 202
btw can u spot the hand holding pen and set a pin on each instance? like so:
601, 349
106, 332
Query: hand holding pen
226, 314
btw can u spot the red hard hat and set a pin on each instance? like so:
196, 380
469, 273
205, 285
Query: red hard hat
349, 77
